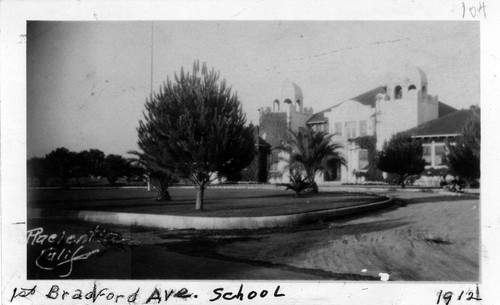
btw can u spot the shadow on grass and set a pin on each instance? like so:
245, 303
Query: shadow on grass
220, 206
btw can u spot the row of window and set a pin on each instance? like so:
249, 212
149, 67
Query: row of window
351, 129
398, 91
319, 127
276, 105
432, 159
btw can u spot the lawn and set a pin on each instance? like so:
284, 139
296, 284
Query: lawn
219, 202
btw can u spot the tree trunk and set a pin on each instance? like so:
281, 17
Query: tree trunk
164, 196
199, 198
314, 187
468, 183
65, 184
402, 181
297, 194
111, 181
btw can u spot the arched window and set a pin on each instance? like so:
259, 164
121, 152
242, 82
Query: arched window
276, 106
412, 87
398, 93
424, 90
297, 106
287, 101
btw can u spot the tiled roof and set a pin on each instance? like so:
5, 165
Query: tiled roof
444, 109
450, 124
319, 117
369, 97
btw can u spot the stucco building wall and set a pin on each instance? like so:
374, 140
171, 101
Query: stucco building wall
401, 102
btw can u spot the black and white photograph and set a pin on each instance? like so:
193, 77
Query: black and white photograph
337, 150
262, 155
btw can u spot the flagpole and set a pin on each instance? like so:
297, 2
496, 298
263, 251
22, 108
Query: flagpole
151, 85
152, 42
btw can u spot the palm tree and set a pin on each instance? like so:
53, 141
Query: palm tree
314, 152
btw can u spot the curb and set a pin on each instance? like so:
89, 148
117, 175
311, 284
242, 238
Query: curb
378, 190
224, 223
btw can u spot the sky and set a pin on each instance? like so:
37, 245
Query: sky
87, 82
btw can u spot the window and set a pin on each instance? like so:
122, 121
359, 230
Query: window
274, 167
424, 90
338, 128
363, 128
363, 159
412, 87
297, 106
332, 174
318, 127
350, 129
427, 154
276, 106
439, 153
398, 93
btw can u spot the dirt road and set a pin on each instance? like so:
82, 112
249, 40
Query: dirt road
432, 238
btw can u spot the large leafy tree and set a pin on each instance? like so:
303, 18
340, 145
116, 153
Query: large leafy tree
62, 165
37, 169
402, 155
114, 167
312, 152
92, 162
195, 128
464, 157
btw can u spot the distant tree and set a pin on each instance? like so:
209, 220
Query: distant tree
115, 166
402, 155
196, 127
464, 157
234, 177
92, 162
62, 165
314, 152
37, 169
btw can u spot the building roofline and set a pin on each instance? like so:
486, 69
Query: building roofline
437, 135
316, 121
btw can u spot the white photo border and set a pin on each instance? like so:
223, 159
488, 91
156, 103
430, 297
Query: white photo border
14, 15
